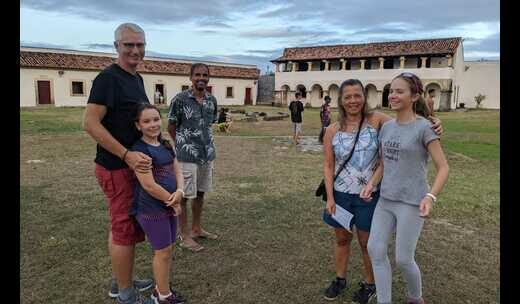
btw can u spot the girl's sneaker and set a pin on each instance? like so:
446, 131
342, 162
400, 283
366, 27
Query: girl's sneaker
365, 294
334, 289
174, 298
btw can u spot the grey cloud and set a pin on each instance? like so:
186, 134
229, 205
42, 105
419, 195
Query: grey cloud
261, 62
355, 14
289, 32
265, 52
381, 30
210, 32
277, 12
36, 44
149, 12
215, 22
102, 46
364, 14
488, 44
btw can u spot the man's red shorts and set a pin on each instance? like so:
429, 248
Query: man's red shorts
118, 187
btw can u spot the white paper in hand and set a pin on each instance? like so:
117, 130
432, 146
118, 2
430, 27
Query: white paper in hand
343, 217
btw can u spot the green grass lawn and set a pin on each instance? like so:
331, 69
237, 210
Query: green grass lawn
274, 247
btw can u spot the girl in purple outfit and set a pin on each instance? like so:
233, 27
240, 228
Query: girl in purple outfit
157, 199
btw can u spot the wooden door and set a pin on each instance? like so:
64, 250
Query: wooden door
247, 100
44, 92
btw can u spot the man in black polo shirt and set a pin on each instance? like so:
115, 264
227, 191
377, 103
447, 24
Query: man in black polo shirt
109, 119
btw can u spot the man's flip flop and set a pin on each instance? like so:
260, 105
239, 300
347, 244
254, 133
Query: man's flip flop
193, 248
206, 235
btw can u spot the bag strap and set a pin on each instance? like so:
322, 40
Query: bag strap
353, 147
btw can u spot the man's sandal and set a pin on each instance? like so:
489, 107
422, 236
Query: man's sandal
195, 247
205, 235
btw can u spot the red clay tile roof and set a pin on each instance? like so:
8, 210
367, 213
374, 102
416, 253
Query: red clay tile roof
89, 62
378, 49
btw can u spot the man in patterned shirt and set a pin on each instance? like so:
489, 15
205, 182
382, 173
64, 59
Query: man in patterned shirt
189, 123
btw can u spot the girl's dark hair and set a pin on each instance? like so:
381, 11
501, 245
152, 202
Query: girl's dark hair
416, 87
144, 106
342, 112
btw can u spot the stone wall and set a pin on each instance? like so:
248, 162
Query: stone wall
265, 89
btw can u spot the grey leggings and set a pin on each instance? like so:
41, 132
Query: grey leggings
404, 219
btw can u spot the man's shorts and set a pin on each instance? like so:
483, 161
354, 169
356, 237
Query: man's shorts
197, 178
297, 127
362, 210
118, 187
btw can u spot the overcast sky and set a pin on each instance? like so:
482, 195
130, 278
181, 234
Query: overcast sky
254, 32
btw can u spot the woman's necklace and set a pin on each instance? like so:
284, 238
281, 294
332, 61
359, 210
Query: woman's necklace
351, 126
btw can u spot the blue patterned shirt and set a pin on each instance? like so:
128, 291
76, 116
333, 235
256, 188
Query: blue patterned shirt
194, 137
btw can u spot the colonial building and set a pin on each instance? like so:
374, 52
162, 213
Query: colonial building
318, 71
64, 78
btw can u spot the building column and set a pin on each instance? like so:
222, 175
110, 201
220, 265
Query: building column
423, 62
326, 65
379, 99
381, 63
401, 62
277, 67
450, 60
362, 63
278, 96
343, 64
310, 65
444, 103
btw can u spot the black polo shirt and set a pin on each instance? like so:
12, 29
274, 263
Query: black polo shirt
120, 92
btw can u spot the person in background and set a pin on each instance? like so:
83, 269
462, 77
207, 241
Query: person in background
430, 101
296, 108
324, 117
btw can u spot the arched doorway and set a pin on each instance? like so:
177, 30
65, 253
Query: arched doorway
437, 92
316, 98
334, 94
301, 88
371, 96
285, 94
386, 92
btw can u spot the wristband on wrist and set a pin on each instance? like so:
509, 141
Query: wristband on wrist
181, 191
124, 155
433, 197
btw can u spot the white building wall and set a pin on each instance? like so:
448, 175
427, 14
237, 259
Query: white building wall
481, 78
379, 78
457, 83
61, 91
